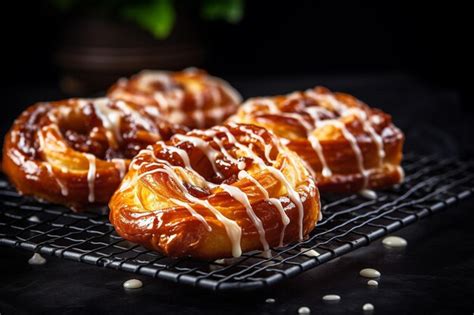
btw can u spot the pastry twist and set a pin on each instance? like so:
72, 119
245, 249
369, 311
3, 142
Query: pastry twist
347, 145
75, 152
191, 97
215, 193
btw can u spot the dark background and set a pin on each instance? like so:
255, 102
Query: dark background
408, 58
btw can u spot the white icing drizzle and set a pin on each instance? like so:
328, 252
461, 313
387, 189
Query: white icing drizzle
142, 120
353, 143
241, 197
182, 154
193, 212
198, 112
170, 99
91, 176
147, 77
293, 195
37, 259
233, 230
62, 186
274, 201
121, 166
315, 144
110, 119
162, 101
267, 147
314, 112
204, 147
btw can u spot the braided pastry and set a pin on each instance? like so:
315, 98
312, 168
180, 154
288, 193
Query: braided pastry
75, 152
215, 193
347, 145
191, 97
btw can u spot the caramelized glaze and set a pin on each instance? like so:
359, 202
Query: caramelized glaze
190, 97
75, 152
215, 193
346, 145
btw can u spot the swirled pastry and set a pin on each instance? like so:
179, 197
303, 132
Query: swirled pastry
75, 152
190, 97
347, 145
215, 193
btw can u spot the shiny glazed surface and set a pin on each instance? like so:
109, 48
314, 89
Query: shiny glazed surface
190, 97
75, 152
347, 145
216, 193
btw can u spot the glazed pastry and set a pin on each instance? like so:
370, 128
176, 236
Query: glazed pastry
75, 152
190, 97
216, 193
347, 145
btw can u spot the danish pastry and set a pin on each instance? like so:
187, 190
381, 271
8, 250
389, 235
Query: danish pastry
190, 97
215, 193
347, 145
75, 152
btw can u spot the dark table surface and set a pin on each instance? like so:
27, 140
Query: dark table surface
434, 274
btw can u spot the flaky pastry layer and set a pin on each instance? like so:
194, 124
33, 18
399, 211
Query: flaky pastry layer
216, 193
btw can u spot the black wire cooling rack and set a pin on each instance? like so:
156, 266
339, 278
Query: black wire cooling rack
349, 223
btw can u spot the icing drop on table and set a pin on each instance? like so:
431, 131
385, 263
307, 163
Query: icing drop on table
394, 241
373, 283
331, 298
37, 259
304, 310
368, 307
369, 273
133, 284
270, 300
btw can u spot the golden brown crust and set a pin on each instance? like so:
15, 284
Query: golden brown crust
190, 97
75, 152
168, 205
348, 145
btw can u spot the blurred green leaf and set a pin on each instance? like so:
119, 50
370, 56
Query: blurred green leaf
63, 5
230, 10
156, 16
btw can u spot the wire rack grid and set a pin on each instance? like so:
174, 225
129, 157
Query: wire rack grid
350, 222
